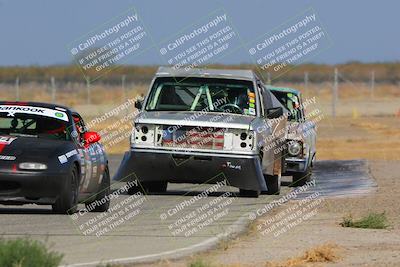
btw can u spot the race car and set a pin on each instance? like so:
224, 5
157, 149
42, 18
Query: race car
47, 157
197, 124
301, 142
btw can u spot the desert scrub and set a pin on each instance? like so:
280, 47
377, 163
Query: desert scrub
24, 252
321, 254
371, 221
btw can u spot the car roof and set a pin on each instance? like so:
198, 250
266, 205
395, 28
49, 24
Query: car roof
36, 104
209, 73
283, 89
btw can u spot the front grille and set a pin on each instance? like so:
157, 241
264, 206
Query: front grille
193, 137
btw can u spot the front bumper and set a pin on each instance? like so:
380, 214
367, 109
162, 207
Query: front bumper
242, 171
30, 187
295, 165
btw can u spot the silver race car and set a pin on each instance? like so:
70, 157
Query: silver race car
194, 125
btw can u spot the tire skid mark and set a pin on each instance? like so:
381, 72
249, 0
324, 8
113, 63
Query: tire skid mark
341, 178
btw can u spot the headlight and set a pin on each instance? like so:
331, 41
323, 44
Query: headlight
294, 148
143, 135
239, 140
32, 166
145, 130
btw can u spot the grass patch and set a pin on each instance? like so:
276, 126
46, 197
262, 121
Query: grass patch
371, 221
199, 263
24, 252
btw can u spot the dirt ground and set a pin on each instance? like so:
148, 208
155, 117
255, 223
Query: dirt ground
373, 138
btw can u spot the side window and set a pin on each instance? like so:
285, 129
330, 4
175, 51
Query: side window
266, 98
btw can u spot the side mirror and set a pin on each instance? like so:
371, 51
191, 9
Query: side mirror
273, 113
91, 138
139, 104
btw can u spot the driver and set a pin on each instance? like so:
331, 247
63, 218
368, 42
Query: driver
79, 127
238, 98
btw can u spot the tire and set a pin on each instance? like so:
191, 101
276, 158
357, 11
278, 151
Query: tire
104, 191
67, 201
134, 190
156, 187
301, 178
249, 193
273, 184
149, 187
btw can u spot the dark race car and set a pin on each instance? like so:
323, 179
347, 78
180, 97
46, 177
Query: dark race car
47, 157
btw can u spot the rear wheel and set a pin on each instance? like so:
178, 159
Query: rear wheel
101, 196
249, 193
67, 201
273, 184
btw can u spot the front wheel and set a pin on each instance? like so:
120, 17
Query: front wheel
102, 202
273, 184
67, 201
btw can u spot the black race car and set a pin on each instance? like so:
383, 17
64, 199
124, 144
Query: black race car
48, 157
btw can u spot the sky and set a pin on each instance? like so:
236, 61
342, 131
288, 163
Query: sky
38, 32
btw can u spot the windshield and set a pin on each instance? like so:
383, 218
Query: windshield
291, 102
202, 94
30, 125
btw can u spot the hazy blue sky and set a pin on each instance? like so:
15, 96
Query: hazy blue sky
37, 32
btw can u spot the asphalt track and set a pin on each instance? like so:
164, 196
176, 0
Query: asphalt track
171, 225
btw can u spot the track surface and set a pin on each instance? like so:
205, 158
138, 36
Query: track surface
146, 236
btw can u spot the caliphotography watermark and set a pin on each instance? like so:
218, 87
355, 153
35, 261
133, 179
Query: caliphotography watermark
117, 124
300, 39
200, 44
123, 210
281, 201
200, 212
300, 212
110, 44
113, 126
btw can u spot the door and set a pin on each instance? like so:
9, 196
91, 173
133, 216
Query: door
92, 158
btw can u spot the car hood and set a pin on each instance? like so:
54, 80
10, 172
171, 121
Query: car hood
196, 118
30, 148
